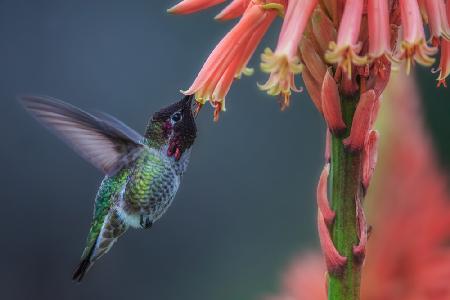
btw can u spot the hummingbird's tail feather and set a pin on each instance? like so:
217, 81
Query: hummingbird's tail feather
113, 227
81, 270
85, 263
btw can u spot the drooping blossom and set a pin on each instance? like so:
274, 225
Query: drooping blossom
408, 255
414, 45
284, 63
379, 28
444, 64
345, 51
229, 59
437, 19
355, 38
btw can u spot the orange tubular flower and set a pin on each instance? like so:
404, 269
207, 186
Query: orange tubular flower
284, 63
379, 28
414, 45
437, 19
423, 10
345, 51
230, 57
444, 64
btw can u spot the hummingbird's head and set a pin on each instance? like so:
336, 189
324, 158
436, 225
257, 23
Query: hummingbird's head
174, 127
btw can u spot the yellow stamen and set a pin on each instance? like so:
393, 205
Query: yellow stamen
245, 71
275, 6
419, 52
344, 56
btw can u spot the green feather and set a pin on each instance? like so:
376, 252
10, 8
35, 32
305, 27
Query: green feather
107, 193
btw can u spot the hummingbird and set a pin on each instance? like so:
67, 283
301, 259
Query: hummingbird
142, 173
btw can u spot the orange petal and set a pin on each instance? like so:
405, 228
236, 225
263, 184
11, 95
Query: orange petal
233, 10
192, 6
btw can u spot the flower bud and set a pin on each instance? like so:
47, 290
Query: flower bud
331, 105
362, 121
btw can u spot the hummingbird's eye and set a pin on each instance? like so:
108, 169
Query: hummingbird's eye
176, 117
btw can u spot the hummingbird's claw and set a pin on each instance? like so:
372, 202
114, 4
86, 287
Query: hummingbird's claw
145, 222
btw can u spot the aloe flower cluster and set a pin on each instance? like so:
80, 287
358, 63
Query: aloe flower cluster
362, 36
345, 51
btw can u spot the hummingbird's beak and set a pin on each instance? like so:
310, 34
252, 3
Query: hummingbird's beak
197, 107
187, 100
191, 104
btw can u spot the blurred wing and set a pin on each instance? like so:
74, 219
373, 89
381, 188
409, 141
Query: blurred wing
105, 142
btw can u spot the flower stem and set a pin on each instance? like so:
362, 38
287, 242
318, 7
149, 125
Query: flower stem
345, 189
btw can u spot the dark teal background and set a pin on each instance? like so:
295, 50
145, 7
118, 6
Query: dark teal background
436, 103
247, 202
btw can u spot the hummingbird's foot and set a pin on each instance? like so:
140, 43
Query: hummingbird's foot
145, 222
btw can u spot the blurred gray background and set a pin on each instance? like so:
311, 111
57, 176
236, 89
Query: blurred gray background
246, 205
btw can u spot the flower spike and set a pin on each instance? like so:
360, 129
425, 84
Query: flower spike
284, 63
191, 6
414, 45
331, 105
345, 50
